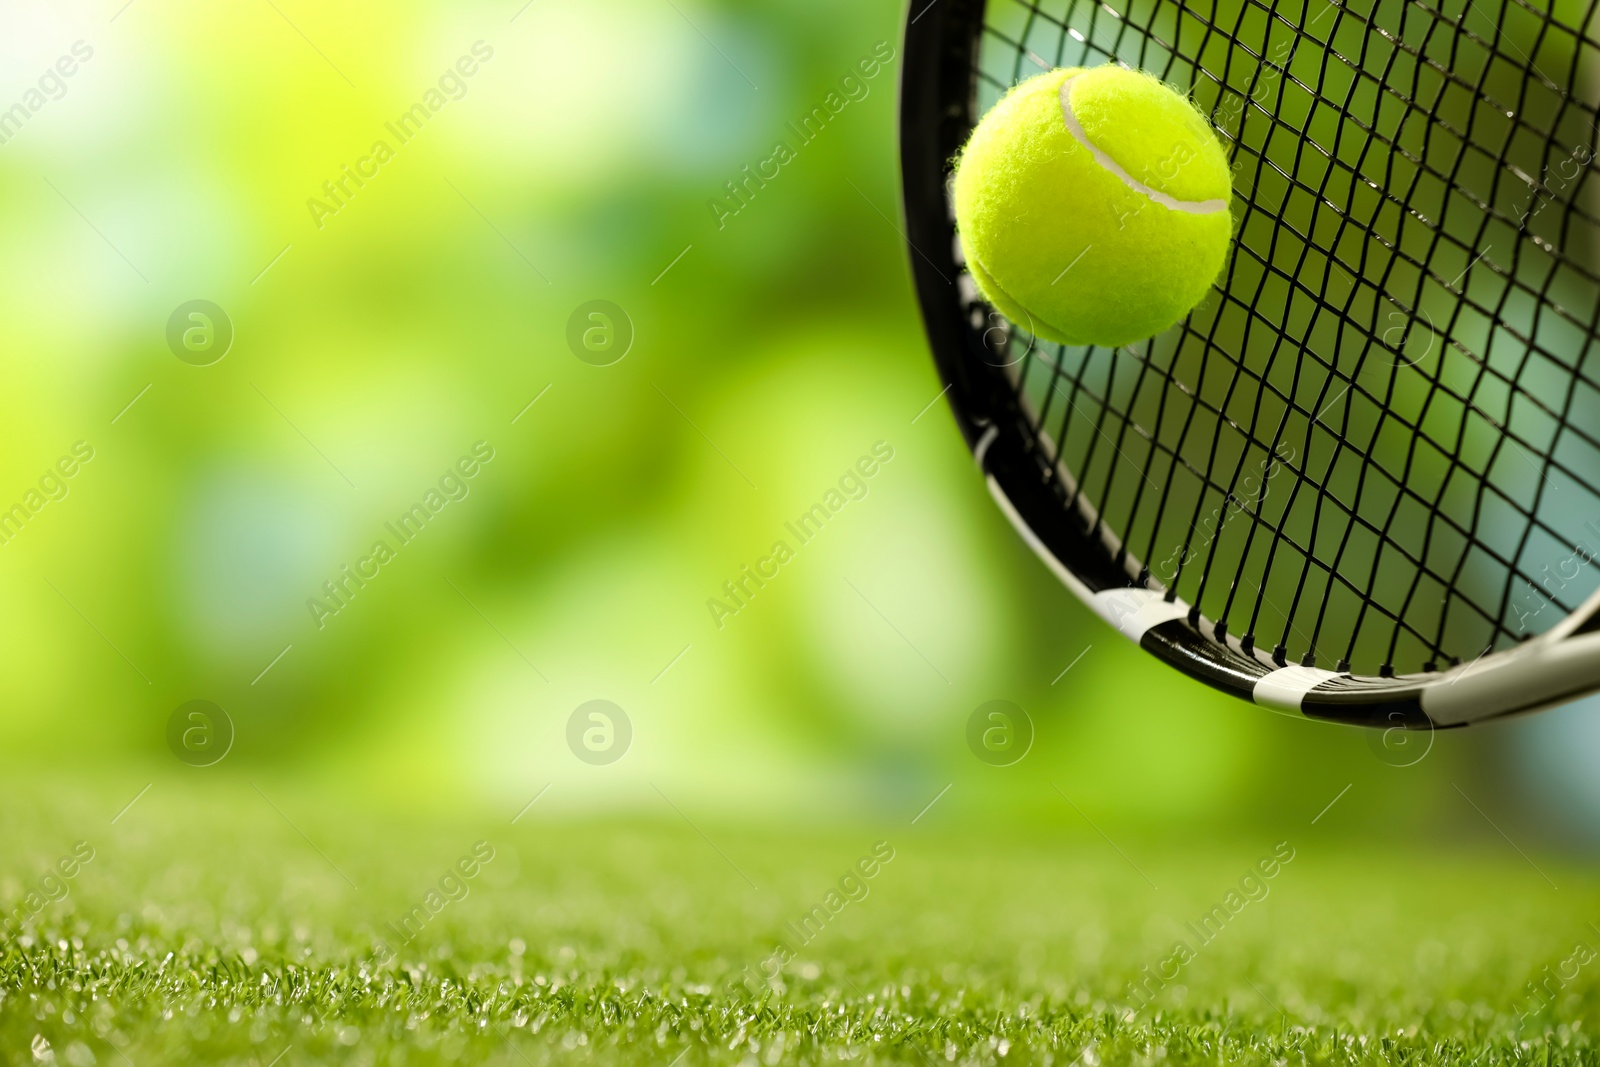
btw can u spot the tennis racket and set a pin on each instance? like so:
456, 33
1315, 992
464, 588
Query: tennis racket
1361, 481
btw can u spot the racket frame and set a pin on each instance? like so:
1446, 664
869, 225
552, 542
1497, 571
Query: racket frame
937, 92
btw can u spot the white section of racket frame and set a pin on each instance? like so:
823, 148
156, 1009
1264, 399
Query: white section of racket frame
1542, 672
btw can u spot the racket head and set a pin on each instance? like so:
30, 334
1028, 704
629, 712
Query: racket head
1423, 430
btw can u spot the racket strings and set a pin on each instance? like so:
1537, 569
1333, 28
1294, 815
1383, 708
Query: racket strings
1373, 448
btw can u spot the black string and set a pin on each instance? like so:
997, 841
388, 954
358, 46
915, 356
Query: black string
1369, 446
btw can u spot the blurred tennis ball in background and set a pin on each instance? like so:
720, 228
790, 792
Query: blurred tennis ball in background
1092, 206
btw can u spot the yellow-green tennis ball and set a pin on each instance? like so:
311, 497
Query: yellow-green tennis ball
1092, 206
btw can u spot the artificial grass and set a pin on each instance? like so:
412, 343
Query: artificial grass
233, 928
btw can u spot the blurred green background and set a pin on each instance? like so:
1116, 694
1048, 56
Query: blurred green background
775, 340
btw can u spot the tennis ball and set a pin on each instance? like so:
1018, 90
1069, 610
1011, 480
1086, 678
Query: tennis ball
1092, 206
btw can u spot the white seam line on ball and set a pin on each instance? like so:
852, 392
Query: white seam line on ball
1193, 207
